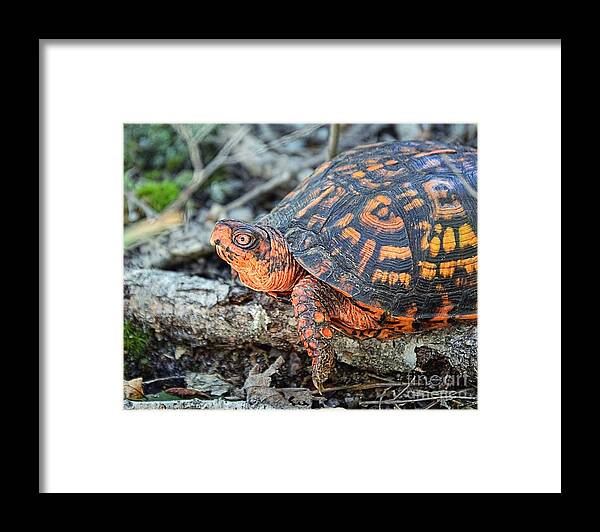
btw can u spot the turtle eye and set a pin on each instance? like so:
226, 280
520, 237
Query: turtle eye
243, 240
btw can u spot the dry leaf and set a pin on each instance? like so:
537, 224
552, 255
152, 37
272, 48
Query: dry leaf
186, 393
180, 351
133, 389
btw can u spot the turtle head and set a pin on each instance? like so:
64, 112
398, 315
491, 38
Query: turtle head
259, 254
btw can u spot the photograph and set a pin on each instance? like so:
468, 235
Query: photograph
300, 266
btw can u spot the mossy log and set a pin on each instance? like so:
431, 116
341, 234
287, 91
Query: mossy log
195, 311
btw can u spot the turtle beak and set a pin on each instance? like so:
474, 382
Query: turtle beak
220, 233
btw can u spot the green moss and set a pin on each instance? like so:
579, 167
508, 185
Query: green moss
152, 175
135, 340
159, 194
154, 147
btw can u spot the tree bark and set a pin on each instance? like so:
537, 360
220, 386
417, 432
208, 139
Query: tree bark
195, 311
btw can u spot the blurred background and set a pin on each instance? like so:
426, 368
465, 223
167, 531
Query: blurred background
209, 170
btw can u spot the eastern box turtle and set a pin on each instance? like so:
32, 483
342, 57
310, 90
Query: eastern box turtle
380, 241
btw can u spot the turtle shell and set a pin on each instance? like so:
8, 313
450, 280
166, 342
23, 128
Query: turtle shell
391, 225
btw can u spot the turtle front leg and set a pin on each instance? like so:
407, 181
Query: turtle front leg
312, 307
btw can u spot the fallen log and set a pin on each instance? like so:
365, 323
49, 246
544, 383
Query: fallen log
195, 311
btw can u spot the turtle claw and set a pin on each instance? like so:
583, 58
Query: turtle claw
318, 384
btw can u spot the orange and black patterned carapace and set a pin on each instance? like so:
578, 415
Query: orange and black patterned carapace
380, 241
391, 225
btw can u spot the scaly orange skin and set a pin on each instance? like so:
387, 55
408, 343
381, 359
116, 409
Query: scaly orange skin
266, 265
261, 258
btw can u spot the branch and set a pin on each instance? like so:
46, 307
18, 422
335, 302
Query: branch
141, 204
274, 144
334, 137
202, 174
219, 212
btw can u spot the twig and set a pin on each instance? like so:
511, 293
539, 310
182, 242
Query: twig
161, 379
383, 395
193, 145
268, 186
203, 174
404, 389
267, 132
334, 137
134, 200
261, 189
299, 133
